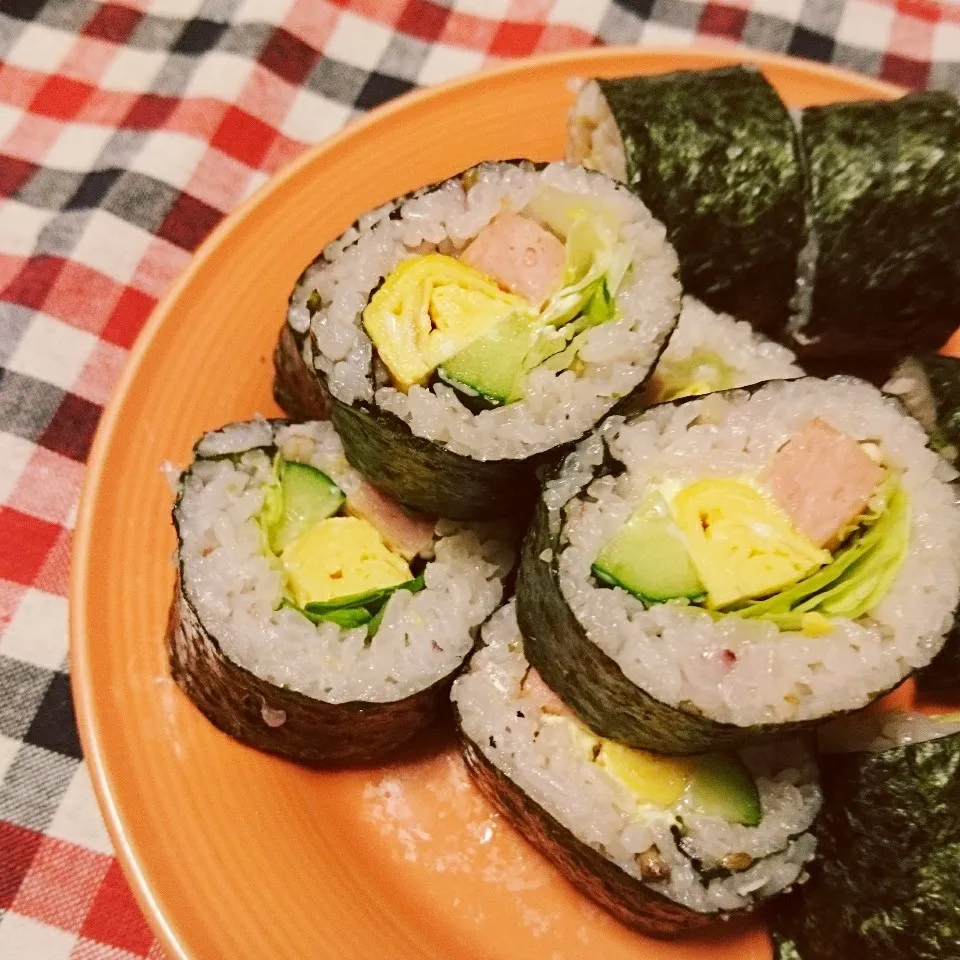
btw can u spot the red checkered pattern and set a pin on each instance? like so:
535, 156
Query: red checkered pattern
127, 130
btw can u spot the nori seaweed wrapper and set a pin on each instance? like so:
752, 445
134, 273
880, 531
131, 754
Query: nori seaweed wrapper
713, 154
885, 885
884, 182
277, 719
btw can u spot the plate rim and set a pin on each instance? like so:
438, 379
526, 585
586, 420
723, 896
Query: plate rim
82, 686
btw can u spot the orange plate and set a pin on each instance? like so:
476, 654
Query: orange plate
233, 853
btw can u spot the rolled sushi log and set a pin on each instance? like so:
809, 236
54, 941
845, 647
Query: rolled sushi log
667, 845
713, 351
714, 155
885, 882
464, 334
313, 617
725, 568
884, 180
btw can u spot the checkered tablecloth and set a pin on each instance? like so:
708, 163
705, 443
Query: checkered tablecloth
127, 131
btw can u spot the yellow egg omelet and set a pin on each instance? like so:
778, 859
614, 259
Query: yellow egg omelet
339, 557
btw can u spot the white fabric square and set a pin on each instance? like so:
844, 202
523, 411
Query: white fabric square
20, 226
133, 69
170, 157
8, 750
660, 33
220, 75
866, 24
78, 818
187, 9
53, 351
576, 13
781, 9
9, 118
40, 48
38, 631
946, 43
15, 453
358, 41
111, 245
262, 11
77, 146
24, 938
444, 62
312, 117
488, 9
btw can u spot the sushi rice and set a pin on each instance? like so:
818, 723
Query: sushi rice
505, 721
743, 355
679, 653
237, 590
557, 407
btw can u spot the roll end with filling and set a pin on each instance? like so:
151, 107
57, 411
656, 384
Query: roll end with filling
668, 845
313, 616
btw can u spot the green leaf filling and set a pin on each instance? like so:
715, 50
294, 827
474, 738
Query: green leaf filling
859, 576
356, 610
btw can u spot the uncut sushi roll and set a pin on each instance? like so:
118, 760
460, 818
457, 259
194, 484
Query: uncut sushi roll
885, 883
714, 155
720, 569
713, 351
666, 844
313, 617
460, 336
881, 274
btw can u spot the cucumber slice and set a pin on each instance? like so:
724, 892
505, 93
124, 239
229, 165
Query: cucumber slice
649, 559
308, 496
492, 366
723, 787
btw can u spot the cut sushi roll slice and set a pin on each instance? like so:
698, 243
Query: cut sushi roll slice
666, 844
884, 181
713, 154
463, 334
885, 884
723, 568
929, 387
314, 617
714, 351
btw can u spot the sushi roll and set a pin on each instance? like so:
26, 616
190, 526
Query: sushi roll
714, 351
463, 334
666, 844
313, 617
723, 568
929, 386
714, 155
885, 883
882, 273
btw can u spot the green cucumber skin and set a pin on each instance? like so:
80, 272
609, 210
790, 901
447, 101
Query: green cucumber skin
884, 193
885, 884
737, 221
630, 901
